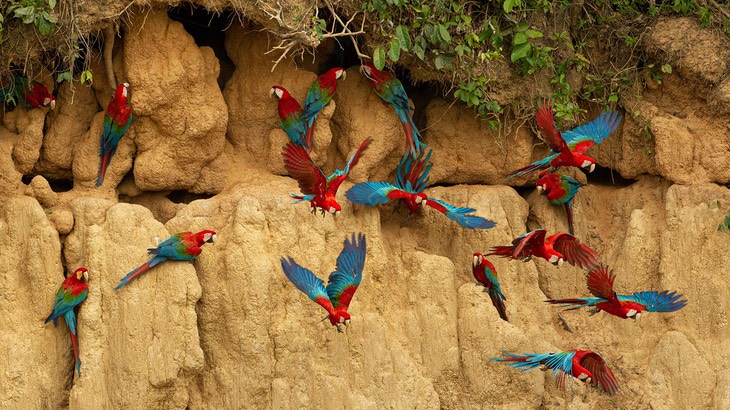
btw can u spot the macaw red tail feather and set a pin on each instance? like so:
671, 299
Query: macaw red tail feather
308, 137
140, 270
75, 344
103, 164
575, 302
506, 251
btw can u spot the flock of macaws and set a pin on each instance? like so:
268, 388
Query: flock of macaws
567, 149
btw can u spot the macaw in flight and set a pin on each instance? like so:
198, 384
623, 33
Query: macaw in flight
321, 192
560, 190
72, 292
567, 149
410, 180
600, 284
290, 116
485, 273
117, 117
555, 249
584, 365
184, 246
387, 86
35, 96
343, 282
319, 95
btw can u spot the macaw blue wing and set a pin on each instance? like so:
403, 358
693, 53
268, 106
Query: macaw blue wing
305, 281
412, 174
558, 362
344, 281
460, 215
585, 136
317, 98
370, 193
655, 301
535, 166
70, 317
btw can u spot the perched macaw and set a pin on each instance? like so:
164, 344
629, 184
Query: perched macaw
117, 118
600, 284
391, 90
343, 282
290, 116
560, 190
35, 96
320, 94
567, 150
72, 292
410, 181
485, 273
555, 249
321, 192
584, 365
184, 246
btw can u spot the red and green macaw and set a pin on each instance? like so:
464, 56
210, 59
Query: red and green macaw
343, 282
567, 149
117, 118
320, 94
321, 192
584, 365
35, 96
560, 190
72, 292
485, 273
391, 90
600, 284
290, 116
410, 180
184, 246
555, 249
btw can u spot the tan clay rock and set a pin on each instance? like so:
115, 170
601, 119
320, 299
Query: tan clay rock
180, 115
142, 338
27, 127
42, 192
37, 359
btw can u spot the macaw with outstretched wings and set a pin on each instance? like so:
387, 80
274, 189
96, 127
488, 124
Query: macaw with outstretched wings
556, 249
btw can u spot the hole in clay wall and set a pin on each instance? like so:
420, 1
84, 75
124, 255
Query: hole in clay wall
57, 185
208, 29
607, 176
185, 197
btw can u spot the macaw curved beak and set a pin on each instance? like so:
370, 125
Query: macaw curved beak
53, 104
539, 189
344, 75
592, 167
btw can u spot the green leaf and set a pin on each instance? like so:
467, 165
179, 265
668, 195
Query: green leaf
86, 75
509, 5
666, 68
64, 76
420, 52
52, 4
442, 61
520, 51
404, 38
520, 38
394, 50
533, 34
24, 11
44, 26
444, 34
613, 98
379, 58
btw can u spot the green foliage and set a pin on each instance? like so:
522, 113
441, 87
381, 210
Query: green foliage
725, 225
36, 12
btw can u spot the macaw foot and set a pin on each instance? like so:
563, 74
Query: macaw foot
323, 213
593, 311
314, 210
339, 328
527, 258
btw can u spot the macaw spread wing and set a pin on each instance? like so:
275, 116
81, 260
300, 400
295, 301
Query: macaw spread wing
344, 281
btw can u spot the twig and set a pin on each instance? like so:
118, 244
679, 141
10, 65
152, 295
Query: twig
566, 325
346, 29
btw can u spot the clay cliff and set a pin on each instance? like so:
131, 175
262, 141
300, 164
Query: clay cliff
230, 331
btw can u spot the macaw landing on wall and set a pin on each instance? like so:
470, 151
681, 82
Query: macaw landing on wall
410, 181
600, 284
567, 149
321, 192
33, 95
485, 273
555, 249
290, 116
184, 246
343, 282
319, 95
72, 292
584, 365
117, 118
387, 86
560, 190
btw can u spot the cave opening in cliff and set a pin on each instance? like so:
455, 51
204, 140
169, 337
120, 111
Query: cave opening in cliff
182, 196
57, 185
608, 176
208, 29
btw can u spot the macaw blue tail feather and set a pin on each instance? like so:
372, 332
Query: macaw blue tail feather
140, 270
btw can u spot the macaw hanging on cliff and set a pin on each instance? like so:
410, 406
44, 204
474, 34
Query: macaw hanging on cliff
319, 95
600, 284
117, 117
184, 246
560, 190
343, 282
321, 192
485, 273
390, 89
290, 116
35, 96
567, 149
555, 249
72, 292
584, 365
410, 180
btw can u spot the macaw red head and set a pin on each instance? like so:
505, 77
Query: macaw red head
279, 92
120, 95
206, 236
336, 73
587, 164
546, 182
82, 274
40, 97
339, 318
554, 257
372, 73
